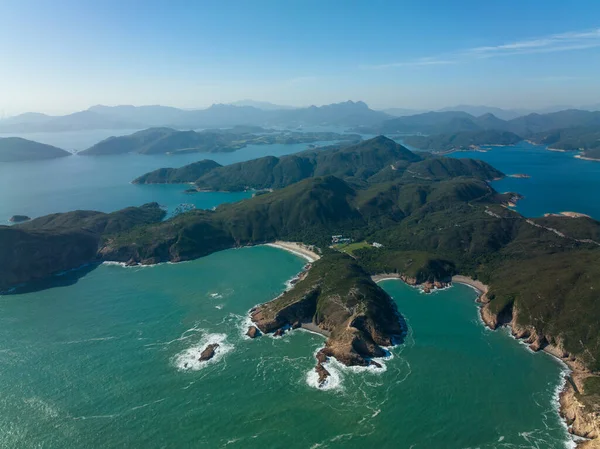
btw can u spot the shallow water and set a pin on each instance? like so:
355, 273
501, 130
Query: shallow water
102, 363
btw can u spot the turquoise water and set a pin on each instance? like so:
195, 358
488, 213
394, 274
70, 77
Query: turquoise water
559, 182
101, 364
103, 182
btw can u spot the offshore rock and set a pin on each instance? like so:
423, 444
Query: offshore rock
208, 353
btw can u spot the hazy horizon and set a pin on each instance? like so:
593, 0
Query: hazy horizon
66, 56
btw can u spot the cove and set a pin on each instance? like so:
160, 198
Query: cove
100, 363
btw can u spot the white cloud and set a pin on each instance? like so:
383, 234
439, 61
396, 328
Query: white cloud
570, 41
415, 63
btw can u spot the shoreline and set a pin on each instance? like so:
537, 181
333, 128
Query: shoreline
299, 249
573, 371
566, 403
584, 158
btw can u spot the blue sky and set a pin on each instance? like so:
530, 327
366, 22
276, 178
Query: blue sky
61, 56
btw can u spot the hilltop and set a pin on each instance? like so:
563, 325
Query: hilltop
466, 140
433, 217
14, 149
172, 141
379, 158
449, 122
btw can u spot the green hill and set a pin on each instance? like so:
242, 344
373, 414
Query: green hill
375, 160
163, 140
570, 139
188, 173
465, 140
435, 217
14, 149
59, 242
167, 140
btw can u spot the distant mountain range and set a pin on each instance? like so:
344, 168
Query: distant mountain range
458, 121
504, 114
264, 105
349, 113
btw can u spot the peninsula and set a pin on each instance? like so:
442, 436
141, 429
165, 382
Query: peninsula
172, 141
14, 149
432, 217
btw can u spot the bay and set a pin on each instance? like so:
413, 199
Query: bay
103, 183
102, 363
559, 181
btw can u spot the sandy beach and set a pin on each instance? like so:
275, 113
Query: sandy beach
384, 277
478, 285
299, 249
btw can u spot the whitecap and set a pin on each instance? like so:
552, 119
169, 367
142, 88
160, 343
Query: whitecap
338, 370
187, 360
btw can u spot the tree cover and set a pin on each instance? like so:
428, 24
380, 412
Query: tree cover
434, 216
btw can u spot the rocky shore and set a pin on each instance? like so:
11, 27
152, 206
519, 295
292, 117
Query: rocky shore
355, 315
426, 287
581, 420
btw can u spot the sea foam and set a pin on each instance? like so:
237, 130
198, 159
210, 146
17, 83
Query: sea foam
187, 360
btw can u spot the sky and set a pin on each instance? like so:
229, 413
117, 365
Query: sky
60, 56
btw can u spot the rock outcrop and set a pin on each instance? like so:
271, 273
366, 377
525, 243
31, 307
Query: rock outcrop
208, 352
339, 297
253, 332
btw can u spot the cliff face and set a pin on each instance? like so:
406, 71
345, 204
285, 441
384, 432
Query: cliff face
582, 416
59, 242
31, 255
339, 297
581, 420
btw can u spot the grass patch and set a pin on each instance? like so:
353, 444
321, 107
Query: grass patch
349, 248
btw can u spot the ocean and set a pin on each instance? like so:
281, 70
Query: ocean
103, 183
105, 357
559, 182
109, 360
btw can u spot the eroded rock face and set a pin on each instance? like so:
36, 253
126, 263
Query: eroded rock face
357, 316
375, 364
580, 421
208, 352
323, 374
279, 332
252, 332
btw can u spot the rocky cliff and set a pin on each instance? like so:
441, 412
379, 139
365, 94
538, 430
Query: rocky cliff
339, 297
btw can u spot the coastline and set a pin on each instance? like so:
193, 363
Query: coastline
569, 407
299, 249
584, 158
385, 276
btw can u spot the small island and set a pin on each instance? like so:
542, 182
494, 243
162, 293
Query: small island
519, 176
15, 149
172, 141
463, 141
432, 218
19, 218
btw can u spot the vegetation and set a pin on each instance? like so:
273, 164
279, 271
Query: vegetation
466, 140
434, 216
188, 173
59, 242
167, 140
570, 139
449, 122
14, 149
339, 296
350, 248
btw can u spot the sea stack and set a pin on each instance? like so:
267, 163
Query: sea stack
208, 353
